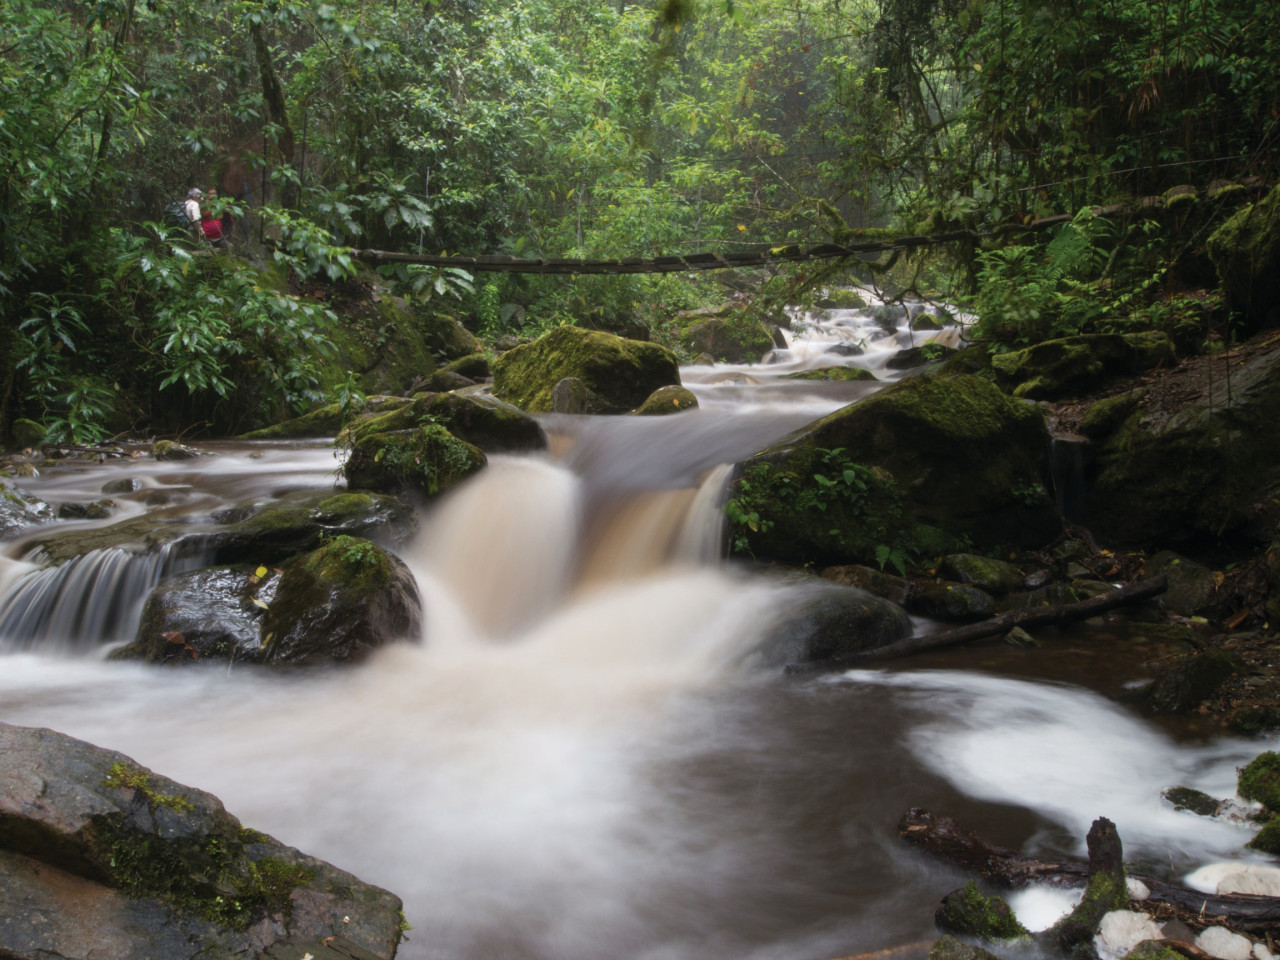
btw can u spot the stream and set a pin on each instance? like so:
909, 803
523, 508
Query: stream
582, 758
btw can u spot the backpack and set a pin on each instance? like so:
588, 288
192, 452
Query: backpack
175, 216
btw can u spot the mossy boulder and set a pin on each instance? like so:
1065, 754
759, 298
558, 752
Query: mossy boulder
1246, 252
1056, 368
1105, 417
986, 573
967, 912
873, 581
951, 601
841, 298
1267, 839
913, 357
26, 433
837, 374
1168, 475
925, 462
665, 400
619, 374
1191, 588
172, 450
448, 337
1183, 683
1192, 801
474, 366
926, 321
1260, 780
325, 421
300, 521
733, 333
831, 621
97, 849
488, 423
335, 604
426, 460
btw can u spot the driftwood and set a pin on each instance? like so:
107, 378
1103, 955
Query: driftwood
1026, 616
945, 839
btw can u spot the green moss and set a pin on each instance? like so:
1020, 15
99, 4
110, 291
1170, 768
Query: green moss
834, 373
124, 776
1193, 801
207, 876
667, 400
1260, 781
353, 561
1268, 838
1106, 416
429, 459
841, 299
969, 913
622, 373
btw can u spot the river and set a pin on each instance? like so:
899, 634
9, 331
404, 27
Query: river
582, 759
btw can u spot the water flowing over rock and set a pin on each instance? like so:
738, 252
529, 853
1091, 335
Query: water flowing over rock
619, 374
101, 857
19, 509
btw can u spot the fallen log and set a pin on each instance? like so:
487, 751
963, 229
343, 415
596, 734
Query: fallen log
945, 839
1026, 616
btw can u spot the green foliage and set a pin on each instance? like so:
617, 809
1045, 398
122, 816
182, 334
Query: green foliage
1260, 780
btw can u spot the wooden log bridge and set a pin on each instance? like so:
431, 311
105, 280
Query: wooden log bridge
684, 264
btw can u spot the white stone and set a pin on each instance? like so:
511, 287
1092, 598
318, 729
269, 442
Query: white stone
1260, 952
1137, 889
1222, 943
1226, 878
1121, 931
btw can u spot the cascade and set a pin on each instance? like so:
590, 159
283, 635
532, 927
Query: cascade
578, 760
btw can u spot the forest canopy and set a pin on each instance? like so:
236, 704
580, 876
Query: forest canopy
546, 128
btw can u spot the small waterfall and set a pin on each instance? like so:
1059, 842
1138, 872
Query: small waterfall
1068, 454
92, 599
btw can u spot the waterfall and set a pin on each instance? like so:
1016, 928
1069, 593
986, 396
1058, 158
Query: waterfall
92, 599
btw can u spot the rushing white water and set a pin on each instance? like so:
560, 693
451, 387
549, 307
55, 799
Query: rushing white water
580, 758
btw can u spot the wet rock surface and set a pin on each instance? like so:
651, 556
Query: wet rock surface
831, 620
101, 857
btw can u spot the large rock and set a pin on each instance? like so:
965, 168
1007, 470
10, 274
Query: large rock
921, 464
488, 423
1246, 251
618, 374
426, 460
1055, 368
830, 621
101, 857
1171, 474
732, 333
335, 604
325, 421
19, 509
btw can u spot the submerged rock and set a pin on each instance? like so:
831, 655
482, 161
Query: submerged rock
665, 400
830, 621
100, 856
172, 450
619, 374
